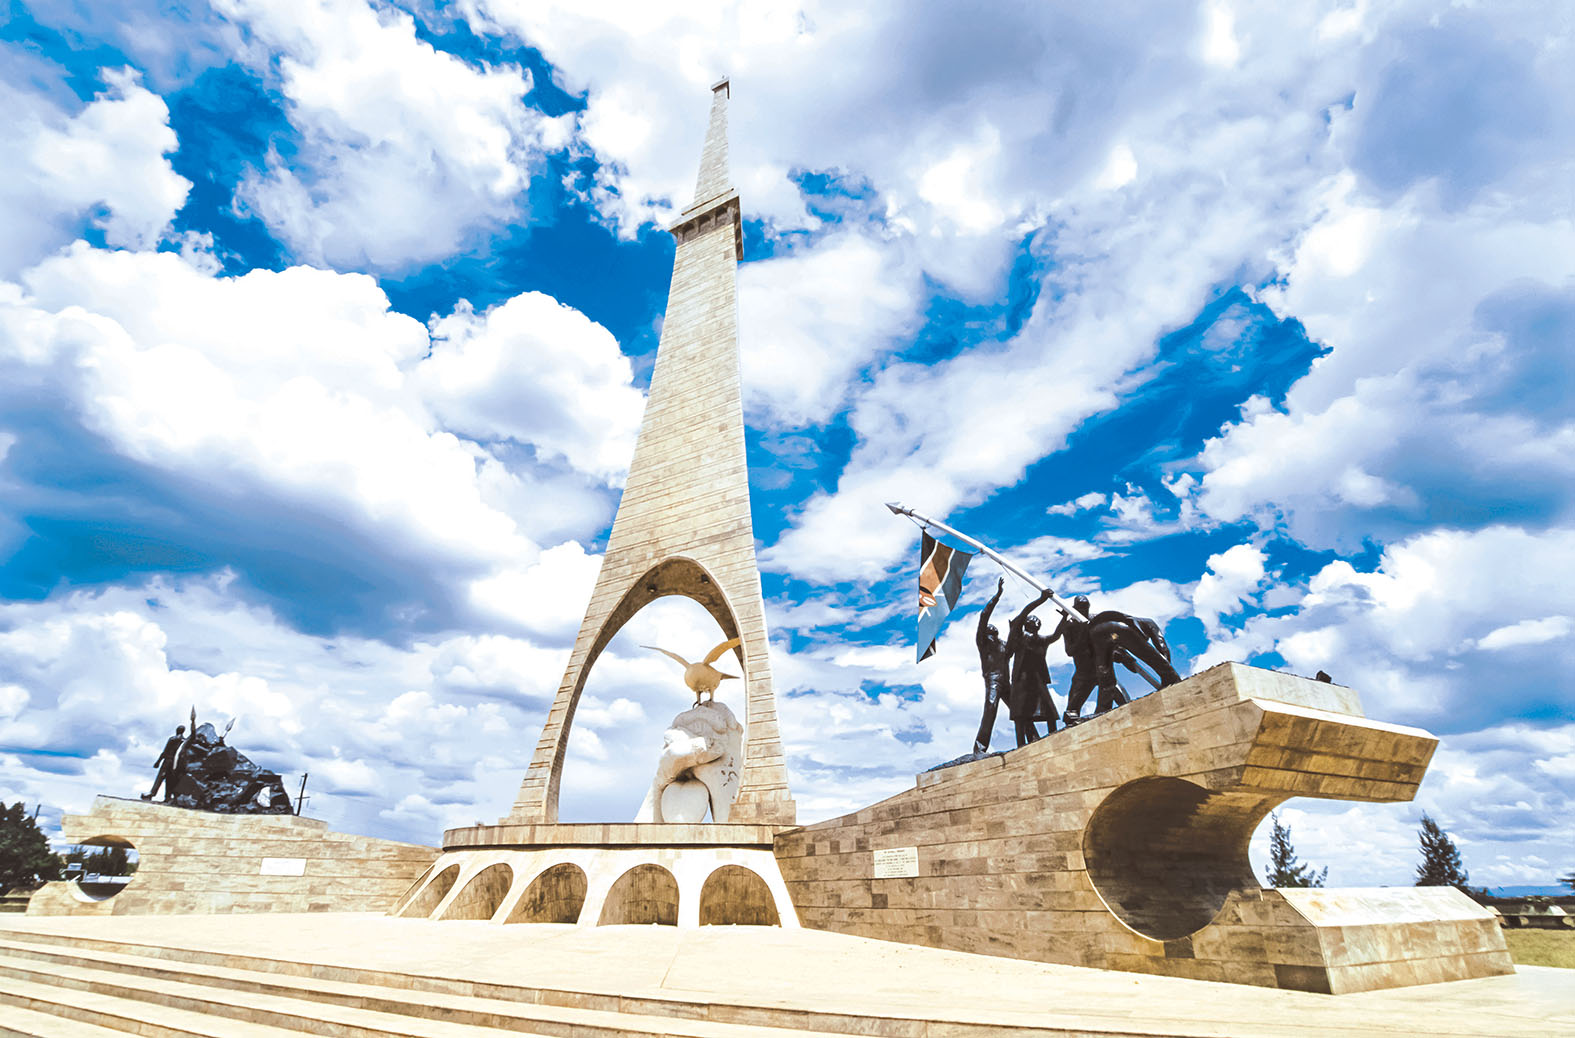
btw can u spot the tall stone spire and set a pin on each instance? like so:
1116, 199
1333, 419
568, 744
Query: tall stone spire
712, 180
683, 526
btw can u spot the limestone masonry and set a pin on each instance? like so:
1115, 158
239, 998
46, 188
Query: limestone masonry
1122, 843
203, 862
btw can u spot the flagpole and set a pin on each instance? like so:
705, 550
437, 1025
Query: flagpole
995, 556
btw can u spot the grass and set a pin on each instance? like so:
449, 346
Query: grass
1542, 947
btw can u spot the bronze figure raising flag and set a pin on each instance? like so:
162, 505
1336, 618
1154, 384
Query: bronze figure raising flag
1094, 642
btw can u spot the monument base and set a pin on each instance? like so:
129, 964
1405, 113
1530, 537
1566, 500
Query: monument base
605, 874
193, 861
1122, 844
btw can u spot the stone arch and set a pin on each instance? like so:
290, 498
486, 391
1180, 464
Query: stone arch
557, 895
1164, 854
424, 899
736, 896
480, 898
645, 894
677, 575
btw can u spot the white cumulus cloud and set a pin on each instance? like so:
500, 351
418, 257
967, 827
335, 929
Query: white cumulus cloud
407, 152
106, 165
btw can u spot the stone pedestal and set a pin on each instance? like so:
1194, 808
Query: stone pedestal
601, 875
1122, 844
200, 862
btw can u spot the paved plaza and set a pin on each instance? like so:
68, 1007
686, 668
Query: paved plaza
770, 980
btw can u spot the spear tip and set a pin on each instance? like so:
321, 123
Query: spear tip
896, 509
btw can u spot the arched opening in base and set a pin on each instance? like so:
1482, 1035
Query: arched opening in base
640, 692
426, 898
644, 894
481, 897
736, 896
555, 896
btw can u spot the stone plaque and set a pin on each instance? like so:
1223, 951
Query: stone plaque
282, 867
896, 862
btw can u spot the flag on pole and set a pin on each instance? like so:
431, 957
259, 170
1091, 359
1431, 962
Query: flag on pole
940, 583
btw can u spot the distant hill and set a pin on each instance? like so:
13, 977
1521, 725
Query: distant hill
1555, 890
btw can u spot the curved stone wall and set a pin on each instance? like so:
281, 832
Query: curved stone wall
428, 892
196, 862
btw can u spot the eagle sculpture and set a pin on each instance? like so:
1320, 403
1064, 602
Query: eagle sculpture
702, 678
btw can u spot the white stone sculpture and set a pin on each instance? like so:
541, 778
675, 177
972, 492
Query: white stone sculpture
700, 767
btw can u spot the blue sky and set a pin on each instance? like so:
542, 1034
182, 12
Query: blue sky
325, 327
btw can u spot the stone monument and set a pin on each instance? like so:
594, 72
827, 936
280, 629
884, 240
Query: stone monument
683, 528
1121, 843
225, 839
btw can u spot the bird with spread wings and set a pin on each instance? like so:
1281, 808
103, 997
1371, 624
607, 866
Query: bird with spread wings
702, 678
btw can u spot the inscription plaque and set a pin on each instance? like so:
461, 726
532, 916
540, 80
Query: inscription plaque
896, 862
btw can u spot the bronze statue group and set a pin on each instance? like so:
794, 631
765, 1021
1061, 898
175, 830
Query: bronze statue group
197, 770
1016, 670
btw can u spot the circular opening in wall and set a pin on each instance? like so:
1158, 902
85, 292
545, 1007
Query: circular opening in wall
100, 868
1164, 854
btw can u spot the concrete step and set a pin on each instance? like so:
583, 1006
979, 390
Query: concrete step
176, 1009
303, 1004
47, 1011
544, 1011
16, 1022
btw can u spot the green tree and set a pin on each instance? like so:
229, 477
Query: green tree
1568, 881
102, 859
25, 857
1284, 870
1441, 865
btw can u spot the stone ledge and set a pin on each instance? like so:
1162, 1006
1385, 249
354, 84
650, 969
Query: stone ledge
610, 834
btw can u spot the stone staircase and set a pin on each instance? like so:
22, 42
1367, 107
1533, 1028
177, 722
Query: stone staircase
53, 986
15, 901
